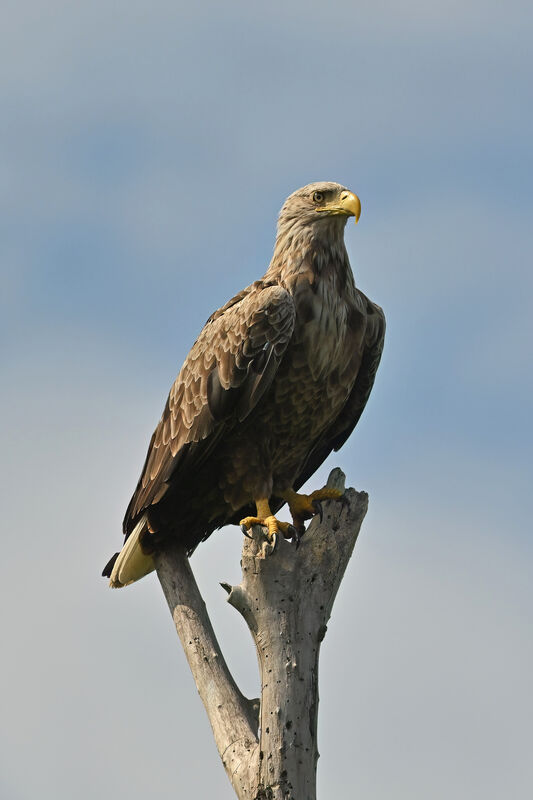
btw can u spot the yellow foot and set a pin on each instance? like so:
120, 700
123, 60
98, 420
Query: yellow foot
273, 525
305, 506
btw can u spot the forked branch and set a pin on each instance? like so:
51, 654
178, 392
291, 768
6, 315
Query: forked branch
286, 598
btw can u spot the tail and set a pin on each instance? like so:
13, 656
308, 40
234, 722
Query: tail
131, 563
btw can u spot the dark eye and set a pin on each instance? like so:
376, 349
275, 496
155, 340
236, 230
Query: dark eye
318, 197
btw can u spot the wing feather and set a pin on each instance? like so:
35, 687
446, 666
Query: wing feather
227, 371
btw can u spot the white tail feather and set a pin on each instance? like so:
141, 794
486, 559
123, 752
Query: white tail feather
131, 563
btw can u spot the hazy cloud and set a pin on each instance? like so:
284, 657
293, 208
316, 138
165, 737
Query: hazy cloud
148, 150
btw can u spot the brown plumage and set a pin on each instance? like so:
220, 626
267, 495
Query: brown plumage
276, 380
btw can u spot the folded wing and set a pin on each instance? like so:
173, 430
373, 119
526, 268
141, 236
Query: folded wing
227, 371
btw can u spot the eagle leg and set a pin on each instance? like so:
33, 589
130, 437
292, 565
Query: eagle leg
266, 518
305, 506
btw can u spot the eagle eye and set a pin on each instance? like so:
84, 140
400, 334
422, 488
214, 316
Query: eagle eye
318, 197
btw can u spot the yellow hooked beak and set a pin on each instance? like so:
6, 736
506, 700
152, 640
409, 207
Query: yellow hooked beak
351, 205
348, 204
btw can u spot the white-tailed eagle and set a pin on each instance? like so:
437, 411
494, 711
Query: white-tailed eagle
276, 380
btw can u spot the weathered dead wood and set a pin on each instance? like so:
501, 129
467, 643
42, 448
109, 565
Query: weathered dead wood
286, 598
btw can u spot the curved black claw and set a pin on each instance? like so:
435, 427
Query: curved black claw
294, 535
244, 529
317, 505
274, 542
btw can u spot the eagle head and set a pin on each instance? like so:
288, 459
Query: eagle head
318, 202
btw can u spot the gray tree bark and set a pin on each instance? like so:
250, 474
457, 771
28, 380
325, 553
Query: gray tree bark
269, 746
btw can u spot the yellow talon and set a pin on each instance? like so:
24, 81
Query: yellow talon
301, 506
266, 518
272, 524
304, 506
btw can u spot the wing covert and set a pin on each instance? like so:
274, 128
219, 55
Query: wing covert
225, 374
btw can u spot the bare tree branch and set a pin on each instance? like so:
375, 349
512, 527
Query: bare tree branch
286, 598
232, 716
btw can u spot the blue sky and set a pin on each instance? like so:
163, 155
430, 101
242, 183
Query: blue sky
147, 150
